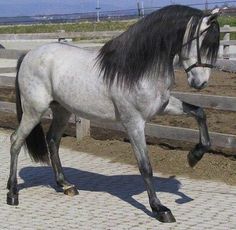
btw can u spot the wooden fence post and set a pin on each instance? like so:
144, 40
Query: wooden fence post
82, 127
226, 47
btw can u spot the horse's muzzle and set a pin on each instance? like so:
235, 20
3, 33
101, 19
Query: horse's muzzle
199, 87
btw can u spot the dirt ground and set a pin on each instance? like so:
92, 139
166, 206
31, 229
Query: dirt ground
168, 157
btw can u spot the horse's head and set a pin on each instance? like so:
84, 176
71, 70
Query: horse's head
200, 49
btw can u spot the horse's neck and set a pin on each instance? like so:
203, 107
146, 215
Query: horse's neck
153, 84
165, 78
167, 81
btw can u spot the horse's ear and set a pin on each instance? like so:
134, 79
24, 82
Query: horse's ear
214, 15
210, 18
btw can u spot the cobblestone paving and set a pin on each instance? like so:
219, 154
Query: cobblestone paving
112, 196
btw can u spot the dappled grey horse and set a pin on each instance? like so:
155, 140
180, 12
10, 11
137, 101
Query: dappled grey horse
128, 80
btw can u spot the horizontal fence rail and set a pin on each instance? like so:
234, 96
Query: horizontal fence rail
11, 53
228, 29
228, 43
6, 81
8, 70
177, 133
60, 35
208, 101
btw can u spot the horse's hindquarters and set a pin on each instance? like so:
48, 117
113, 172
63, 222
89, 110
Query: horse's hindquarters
66, 74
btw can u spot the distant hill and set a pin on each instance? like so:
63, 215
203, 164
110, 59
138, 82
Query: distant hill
42, 7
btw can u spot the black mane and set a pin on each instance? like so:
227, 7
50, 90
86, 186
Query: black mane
152, 43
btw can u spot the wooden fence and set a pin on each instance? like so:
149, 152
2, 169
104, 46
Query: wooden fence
153, 130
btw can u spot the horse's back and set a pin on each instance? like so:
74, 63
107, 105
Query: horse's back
46, 56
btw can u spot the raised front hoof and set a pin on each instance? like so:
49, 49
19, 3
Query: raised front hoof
193, 160
72, 191
12, 199
164, 215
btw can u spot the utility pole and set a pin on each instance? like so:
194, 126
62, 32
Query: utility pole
139, 9
206, 5
98, 8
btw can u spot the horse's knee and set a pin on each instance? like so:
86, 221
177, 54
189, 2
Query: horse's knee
200, 114
16, 146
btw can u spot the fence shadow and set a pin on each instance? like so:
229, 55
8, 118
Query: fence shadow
121, 186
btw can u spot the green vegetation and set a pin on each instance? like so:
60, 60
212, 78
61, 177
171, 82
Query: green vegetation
67, 27
227, 20
90, 26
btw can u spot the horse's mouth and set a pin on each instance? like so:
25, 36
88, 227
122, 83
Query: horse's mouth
200, 87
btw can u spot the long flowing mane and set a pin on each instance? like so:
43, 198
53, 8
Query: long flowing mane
151, 44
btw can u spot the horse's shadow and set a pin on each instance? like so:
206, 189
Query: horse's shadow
121, 186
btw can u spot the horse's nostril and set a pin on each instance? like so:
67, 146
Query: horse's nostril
193, 84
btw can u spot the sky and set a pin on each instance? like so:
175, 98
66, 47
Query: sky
41, 7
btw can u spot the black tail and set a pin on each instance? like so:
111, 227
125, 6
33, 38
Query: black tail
35, 142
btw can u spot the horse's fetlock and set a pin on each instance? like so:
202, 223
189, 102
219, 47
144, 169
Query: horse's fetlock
154, 204
206, 146
60, 179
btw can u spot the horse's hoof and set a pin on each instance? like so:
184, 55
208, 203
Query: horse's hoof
164, 215
12, 199
72, 191
193, 159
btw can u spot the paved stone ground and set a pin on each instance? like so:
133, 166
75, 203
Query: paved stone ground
112, 196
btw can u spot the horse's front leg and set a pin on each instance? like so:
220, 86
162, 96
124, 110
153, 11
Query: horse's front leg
135, 130
177, 107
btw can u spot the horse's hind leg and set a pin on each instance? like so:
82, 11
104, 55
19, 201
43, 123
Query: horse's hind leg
178, 107
135, 130
28, 122
59, 122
